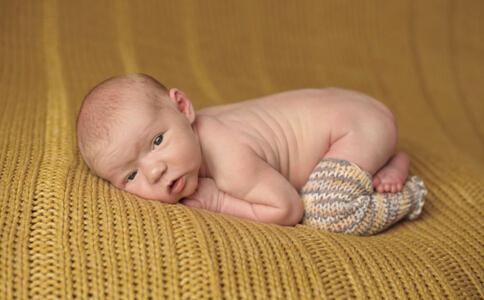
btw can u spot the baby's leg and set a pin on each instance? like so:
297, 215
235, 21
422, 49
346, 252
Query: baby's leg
368, 150
372, 147
339, 195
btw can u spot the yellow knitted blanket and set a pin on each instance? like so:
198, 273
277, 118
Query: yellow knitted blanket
65, 233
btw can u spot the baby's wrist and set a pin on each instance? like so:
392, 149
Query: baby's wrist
215, 201
220, 200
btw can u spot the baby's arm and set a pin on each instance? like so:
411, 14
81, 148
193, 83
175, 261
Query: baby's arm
261, 194
264, 195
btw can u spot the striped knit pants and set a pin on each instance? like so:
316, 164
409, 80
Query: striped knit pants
339, 197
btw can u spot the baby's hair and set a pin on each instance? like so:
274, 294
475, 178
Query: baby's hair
100, 109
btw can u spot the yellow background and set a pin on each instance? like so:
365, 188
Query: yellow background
64, 232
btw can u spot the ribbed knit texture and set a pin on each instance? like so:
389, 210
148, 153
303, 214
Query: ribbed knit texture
65, 233
339, 197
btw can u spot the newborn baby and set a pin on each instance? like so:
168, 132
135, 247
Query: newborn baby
250, 159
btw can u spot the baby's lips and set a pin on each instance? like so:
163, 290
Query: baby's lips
178, 185
169, 186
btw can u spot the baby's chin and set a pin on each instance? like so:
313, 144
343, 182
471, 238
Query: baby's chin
158, 198
190, 189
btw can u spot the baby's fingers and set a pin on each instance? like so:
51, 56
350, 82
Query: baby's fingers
191, 203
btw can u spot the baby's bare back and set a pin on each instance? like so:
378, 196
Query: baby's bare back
293, 130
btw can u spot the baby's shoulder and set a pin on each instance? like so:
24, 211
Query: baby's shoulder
224, 149
219, 140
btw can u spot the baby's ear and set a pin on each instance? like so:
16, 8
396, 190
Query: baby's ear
183, 104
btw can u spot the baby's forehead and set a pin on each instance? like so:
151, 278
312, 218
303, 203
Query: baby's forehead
119, 102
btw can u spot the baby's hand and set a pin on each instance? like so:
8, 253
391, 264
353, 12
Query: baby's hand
207, 196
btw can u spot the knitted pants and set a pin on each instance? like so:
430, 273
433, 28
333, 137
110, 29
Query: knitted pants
339, 197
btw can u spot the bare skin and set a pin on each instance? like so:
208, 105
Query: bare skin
391, 176
250, 159
388, 178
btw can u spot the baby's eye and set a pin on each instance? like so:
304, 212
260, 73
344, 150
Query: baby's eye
158, 139
131, 176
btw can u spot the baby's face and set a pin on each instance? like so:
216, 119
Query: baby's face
153, 153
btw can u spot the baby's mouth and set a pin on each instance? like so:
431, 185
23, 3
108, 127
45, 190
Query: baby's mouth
176, 185
172, 183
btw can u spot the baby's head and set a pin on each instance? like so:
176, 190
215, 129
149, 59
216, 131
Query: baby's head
138, 135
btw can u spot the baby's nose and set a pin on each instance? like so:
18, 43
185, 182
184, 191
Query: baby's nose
154, 173
153, 170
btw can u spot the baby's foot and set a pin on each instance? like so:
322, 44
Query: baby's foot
392, 176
